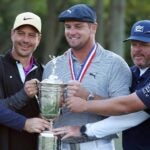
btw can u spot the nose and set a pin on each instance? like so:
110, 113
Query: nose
26, 38
136, 47
71, 31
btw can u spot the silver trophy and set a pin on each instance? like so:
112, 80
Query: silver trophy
50, 92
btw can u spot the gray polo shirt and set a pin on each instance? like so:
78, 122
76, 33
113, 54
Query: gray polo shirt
108, 76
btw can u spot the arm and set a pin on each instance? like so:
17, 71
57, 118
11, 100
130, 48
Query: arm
116, 124
117, 105
113, 106
19, 122
21, 98
11, 119
105, 127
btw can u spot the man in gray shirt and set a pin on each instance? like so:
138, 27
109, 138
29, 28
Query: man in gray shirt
101, 72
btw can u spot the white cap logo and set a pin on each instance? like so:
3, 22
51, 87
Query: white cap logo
139, 28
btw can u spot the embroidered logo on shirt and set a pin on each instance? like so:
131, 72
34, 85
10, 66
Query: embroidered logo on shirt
93, 75
146, 90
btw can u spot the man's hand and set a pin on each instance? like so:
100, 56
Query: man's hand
31, 87
76, 104
75, 88
36, 125
68, 131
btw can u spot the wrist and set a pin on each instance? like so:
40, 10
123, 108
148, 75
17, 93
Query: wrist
85, 106
90, 96
83, 131
25, 125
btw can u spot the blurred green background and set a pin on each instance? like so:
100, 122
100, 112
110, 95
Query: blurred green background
114, 17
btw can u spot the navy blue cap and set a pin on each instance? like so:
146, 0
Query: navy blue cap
79, 12
140, 31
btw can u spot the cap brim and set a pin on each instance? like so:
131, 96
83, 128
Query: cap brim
137, 38
63, 19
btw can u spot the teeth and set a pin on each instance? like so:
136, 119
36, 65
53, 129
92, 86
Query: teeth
74, 38
25, 46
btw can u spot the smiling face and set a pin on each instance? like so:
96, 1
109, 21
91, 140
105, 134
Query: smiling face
25, 40
79, 34
140, 53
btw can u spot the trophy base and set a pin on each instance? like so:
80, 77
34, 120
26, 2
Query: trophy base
47, 141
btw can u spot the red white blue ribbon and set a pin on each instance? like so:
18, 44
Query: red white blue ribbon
85, 65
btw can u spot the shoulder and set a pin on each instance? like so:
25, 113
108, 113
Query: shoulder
112, 59
107, 55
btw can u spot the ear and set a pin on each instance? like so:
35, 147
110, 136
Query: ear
12, 34
94, 28
39, 38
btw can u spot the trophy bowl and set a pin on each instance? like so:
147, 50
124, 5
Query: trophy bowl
49, 99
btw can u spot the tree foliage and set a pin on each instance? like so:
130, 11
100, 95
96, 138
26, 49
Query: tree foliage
112, 26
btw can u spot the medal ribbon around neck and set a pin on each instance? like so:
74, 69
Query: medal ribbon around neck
85, 65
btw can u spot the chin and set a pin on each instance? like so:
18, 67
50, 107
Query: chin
142, 66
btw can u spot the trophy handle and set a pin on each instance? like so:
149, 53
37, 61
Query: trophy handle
37, 98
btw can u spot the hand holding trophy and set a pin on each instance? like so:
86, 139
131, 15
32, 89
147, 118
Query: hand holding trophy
50, 92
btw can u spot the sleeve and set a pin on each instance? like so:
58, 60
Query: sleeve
11, 119
115, 124
144, 95
120, 78
16, 101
